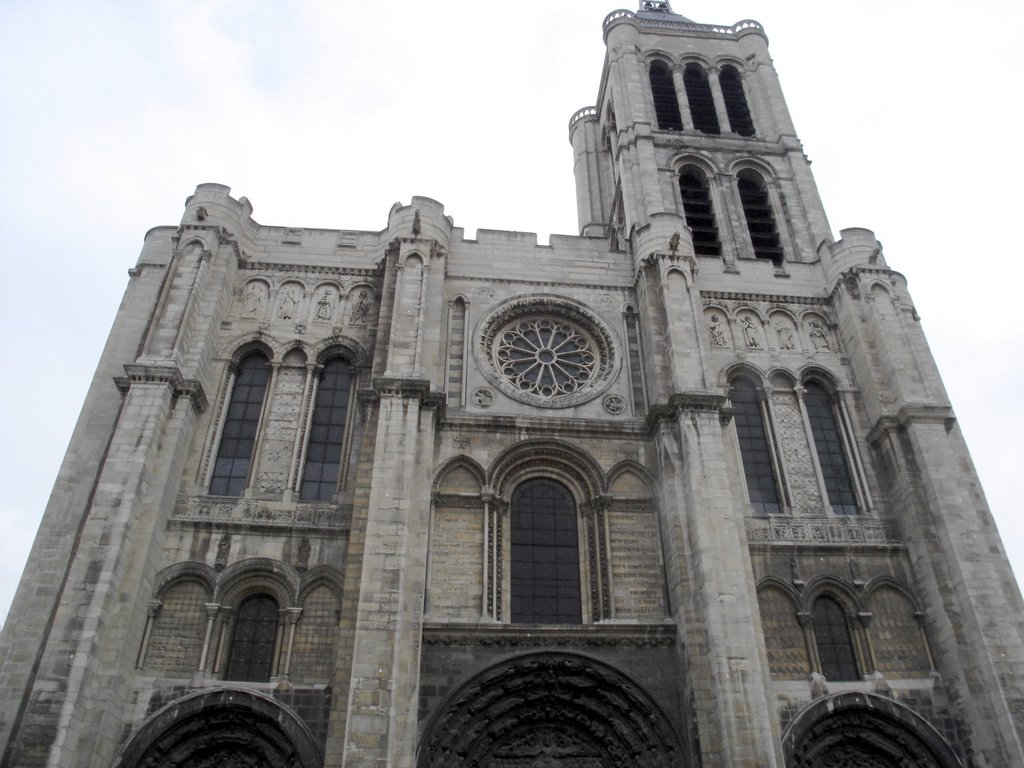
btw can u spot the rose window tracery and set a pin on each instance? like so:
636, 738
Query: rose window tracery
546, 357
547, 351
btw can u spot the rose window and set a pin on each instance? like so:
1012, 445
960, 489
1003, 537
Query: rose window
546, 357
547, 351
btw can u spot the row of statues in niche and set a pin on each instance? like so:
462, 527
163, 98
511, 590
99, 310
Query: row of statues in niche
785, 334
256, 294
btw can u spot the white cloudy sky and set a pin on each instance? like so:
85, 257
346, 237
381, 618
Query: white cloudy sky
325, 113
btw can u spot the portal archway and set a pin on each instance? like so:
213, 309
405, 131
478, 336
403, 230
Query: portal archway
550, 709
222, 728
854, 729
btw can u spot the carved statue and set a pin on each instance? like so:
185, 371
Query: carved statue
223, 549
323, 307
750, 333
416, 223
717, 334
361, 309
288, 304
785, 334
673, 242
253, 298
819, 337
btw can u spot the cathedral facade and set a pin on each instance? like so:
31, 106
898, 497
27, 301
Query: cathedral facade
683, 491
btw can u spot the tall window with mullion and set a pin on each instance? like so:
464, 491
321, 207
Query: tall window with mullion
754, 448
828, 444
238, 436
327, 432
545, 579
832, 635
252, 647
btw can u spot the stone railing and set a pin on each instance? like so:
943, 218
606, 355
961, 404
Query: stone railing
582, 114
739, 26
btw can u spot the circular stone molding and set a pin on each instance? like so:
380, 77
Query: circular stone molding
547, 351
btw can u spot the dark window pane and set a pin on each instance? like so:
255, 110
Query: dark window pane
754, 448
252, 647
735, 102
835, 648
702, 104
700, 217
545, 579
757, 210
666, 105
327, 435
238, 437
829, 447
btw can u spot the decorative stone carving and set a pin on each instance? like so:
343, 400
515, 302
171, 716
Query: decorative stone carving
819, 336
820, 531
483, 397
547, 351
750, 333
245, 512
361, 308
796, 453
614, 404
462, 442
289, 303
550, 709
302, 555
223, 550
717, 332
254, 298
785, 335
325, 305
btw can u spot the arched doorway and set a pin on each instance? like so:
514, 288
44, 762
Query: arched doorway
550, 709
850, 730
222, 728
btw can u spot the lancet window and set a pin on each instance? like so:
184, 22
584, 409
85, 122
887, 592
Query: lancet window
238, 436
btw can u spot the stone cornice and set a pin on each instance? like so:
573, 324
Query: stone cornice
310, 269
169, 375
682, 402
537, 636
536, 426
401, 386
765, 297
625, 285
913, 413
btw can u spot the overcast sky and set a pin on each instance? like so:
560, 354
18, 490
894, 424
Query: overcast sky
324, 114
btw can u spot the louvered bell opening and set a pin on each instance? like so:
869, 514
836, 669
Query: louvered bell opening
663, 92
757, 210
700, 217
702, 105
736, 102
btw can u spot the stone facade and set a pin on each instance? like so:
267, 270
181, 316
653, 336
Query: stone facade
684, 490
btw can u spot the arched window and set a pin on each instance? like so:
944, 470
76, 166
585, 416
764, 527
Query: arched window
735, 101
702, 104
252, 645
327, 432
832, 635
757, 210
828, 444
754, 448
238, 438
700, 216
663, 91
545, 579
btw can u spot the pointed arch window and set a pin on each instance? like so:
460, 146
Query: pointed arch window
828, 445
545, 577
735, 101
238, 436
755, 450
702, 103
325, 448
663, 92
757, 210
699, 213
832, 636
254, 640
